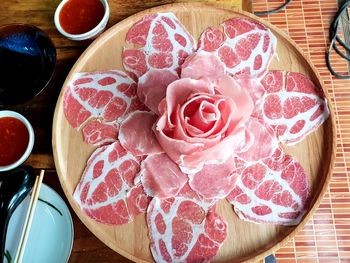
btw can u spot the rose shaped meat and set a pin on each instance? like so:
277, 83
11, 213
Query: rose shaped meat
201, 122
202, 64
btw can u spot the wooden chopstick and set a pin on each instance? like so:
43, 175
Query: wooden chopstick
29, 217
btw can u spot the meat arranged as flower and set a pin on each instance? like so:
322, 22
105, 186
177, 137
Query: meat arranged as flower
202, 122
199, 125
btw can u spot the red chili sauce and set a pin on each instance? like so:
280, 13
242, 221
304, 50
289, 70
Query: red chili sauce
14, 139
80, 16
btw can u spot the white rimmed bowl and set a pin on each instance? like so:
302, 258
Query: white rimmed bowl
93, 33
51, 235
13, 114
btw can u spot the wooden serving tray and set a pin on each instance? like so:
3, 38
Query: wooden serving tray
245, 241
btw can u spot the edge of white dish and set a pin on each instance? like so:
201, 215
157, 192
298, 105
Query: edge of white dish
13, 114
46, 192
87, 35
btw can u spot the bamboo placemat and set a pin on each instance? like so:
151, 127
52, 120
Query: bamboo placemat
326, 238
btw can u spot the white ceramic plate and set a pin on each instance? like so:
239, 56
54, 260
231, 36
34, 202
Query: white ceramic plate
51, 235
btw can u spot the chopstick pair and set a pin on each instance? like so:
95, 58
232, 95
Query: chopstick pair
29, 217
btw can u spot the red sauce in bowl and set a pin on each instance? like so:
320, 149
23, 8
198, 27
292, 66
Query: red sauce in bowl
80, 16
14, 139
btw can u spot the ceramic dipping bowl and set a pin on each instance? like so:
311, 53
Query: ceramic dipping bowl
27, 62
90, 34
31, 138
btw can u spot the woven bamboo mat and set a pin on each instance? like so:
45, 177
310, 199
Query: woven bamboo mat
326, 238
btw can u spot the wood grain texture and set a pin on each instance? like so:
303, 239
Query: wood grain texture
245, 241
86, 248
39, 111
326, 237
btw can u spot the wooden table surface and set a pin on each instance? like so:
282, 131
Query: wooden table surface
326, 238
39, 111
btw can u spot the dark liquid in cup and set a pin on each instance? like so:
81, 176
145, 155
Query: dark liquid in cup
27, 61
20, 72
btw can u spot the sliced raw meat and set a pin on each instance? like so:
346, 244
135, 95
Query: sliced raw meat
161, 177
164, 42
99, 133
199, 127
152, 87
293, 106
136, 200
211, 39
246, 48
256, 92
214, 181
263, 142
274, 191
104, 94
106, 191
136, 134
135, 105
202, 65
184, 229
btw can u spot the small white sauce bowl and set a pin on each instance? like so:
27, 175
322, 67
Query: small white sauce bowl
93, 33
13, 114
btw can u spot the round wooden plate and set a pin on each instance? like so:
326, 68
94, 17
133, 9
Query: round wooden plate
245, 241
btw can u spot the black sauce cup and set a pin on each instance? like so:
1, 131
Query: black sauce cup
27, 62
15, 185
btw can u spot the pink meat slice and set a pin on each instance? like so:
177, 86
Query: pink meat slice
256, 91
99, 133
161, 177
202, 64
159, 41
184, 229
136, 134
274, 190
293, 105
152, 87
106, 191
246, 47
135, 105
211, 39
263, 143
214, 181
102, 94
